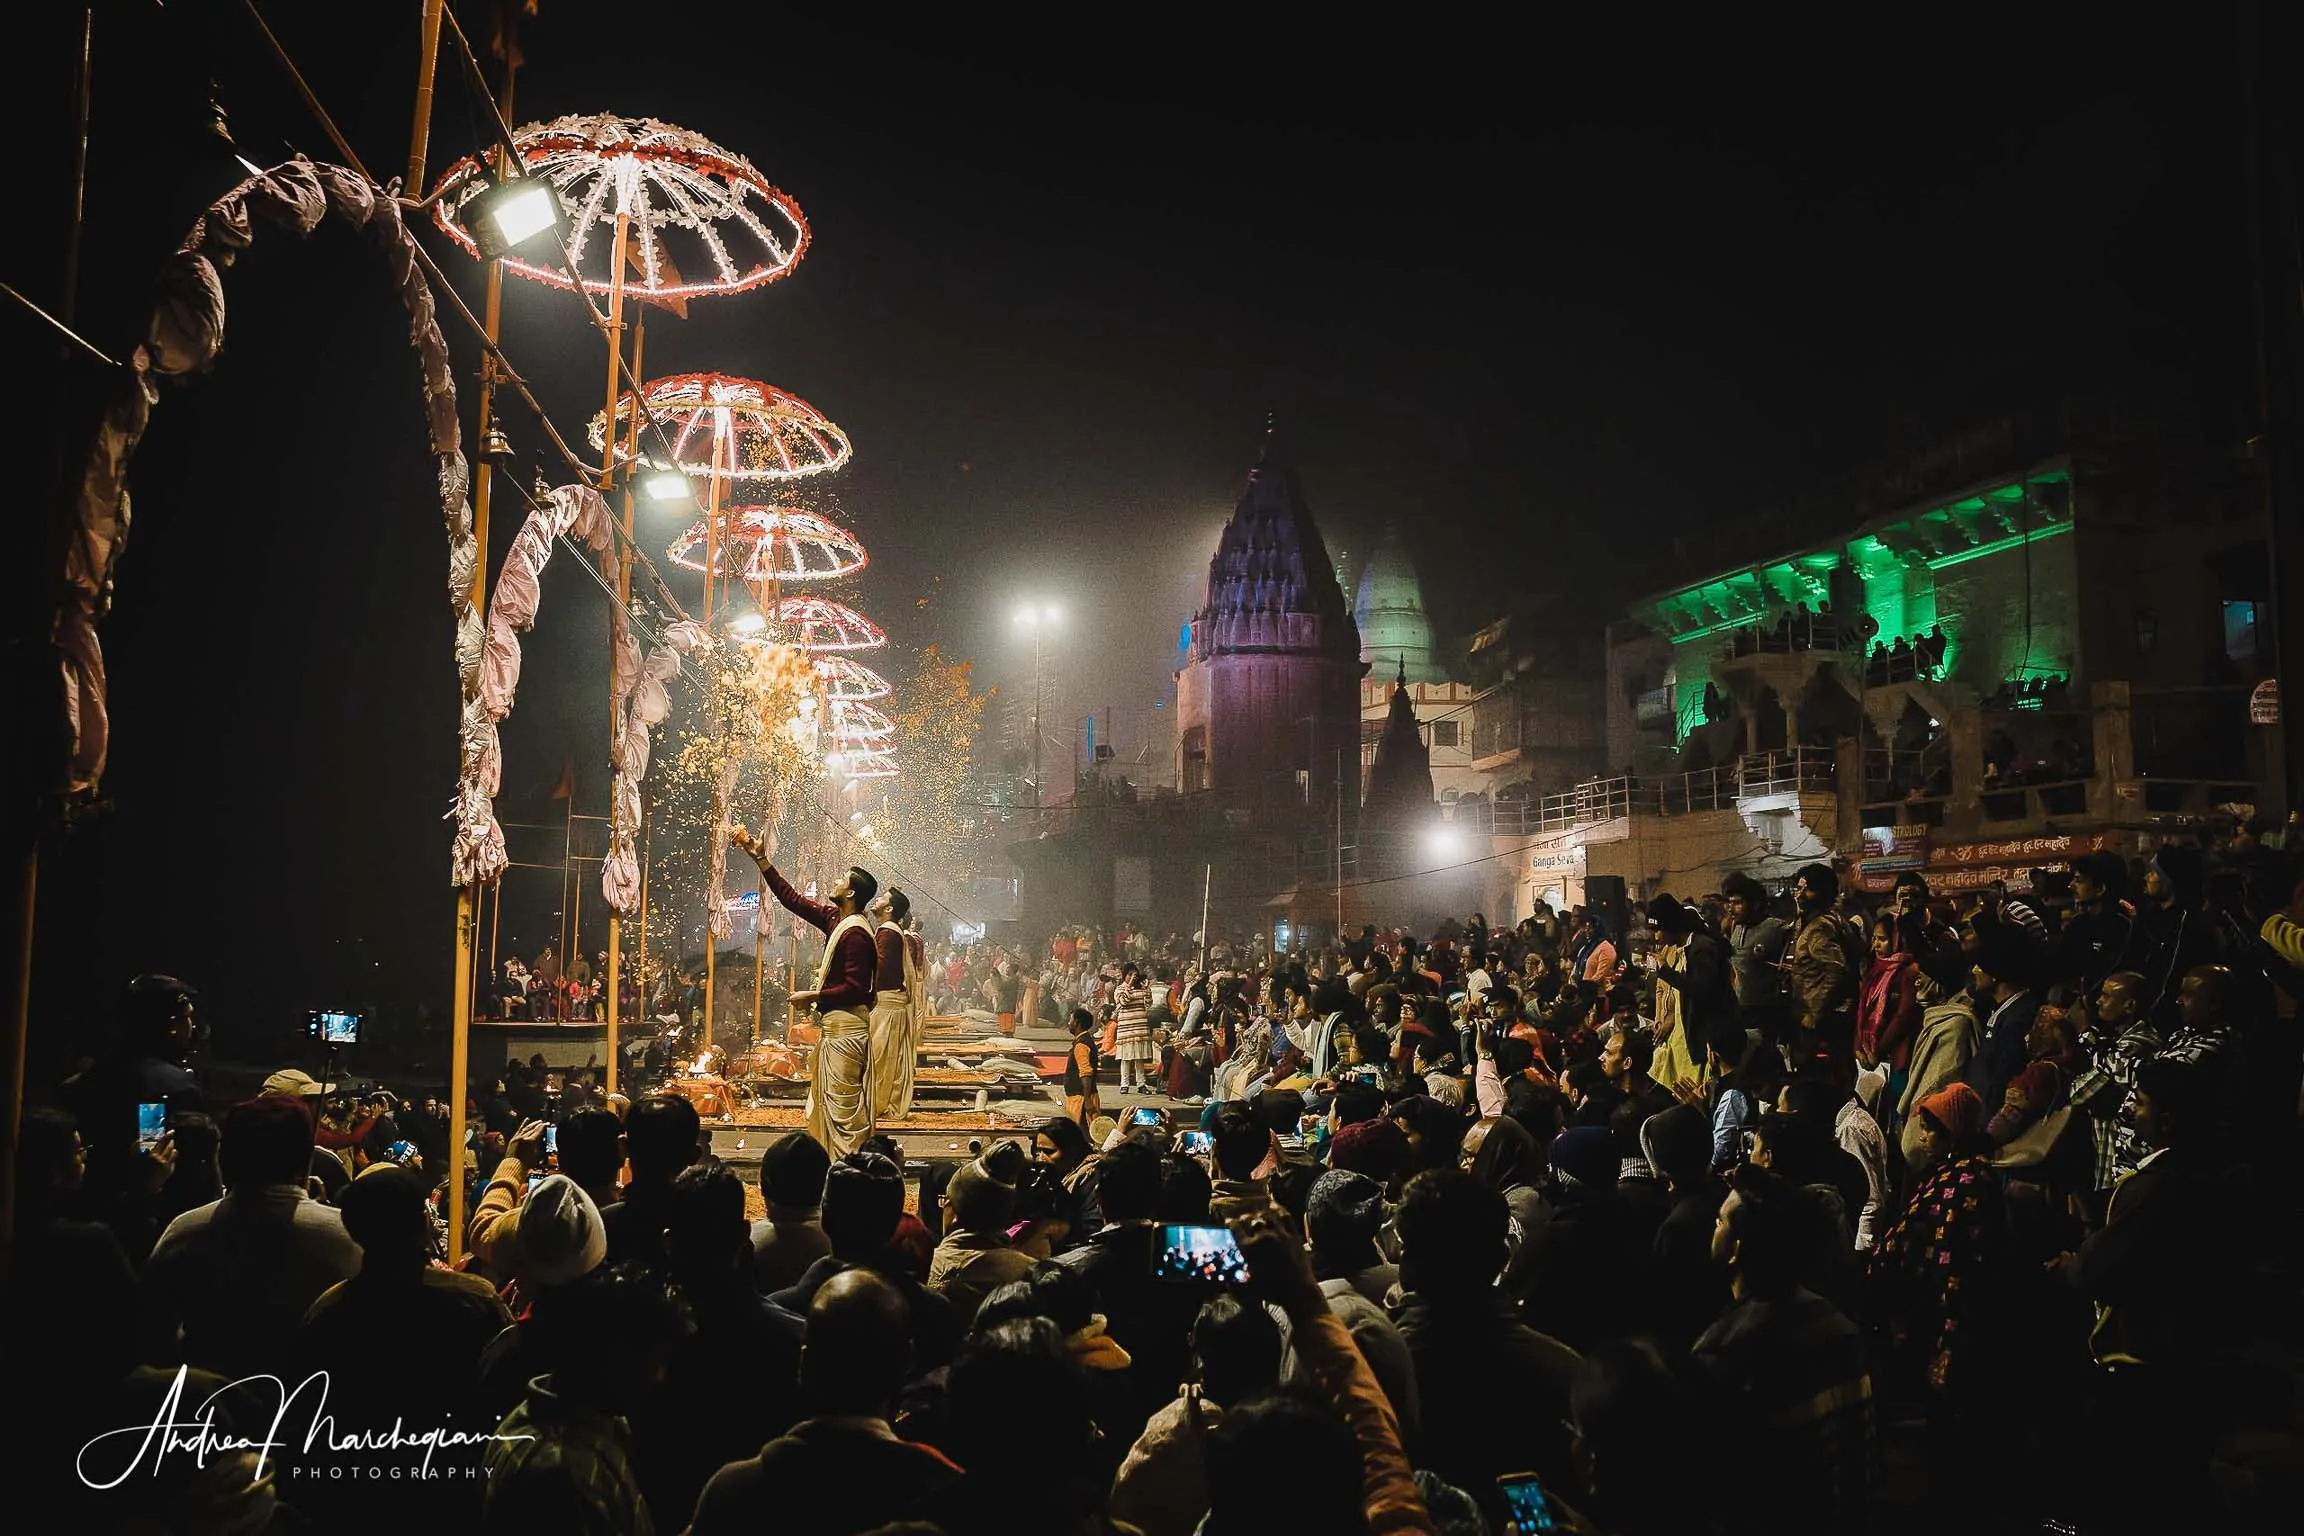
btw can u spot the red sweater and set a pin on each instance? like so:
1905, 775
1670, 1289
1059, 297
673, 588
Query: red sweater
848, 984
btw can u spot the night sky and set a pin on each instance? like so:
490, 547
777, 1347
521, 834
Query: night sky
1547, 297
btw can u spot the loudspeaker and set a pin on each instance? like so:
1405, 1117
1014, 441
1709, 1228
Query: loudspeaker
1604, 894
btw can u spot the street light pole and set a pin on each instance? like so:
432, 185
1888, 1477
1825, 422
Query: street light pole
1038, 618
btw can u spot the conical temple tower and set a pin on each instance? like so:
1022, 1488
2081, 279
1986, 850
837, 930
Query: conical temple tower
1267, 702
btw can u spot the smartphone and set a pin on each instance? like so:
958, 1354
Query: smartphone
1199, 1255
333, 1028
1144, 1115
151, 1124
1528, 1509
1195, 1143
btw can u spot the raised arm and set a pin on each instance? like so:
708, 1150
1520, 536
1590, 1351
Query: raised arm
1279, 1273
820, 915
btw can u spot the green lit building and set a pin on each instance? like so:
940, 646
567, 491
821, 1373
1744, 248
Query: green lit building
1978, 682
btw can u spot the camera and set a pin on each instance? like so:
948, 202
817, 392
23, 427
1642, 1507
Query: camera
331, 1027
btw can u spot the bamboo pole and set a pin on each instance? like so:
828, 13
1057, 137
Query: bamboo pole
612, 984
468, 899
420, 137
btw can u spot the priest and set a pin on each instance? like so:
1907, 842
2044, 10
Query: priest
839, 1111
898, 1009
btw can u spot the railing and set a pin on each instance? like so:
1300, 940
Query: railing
2036, 802
1792, 770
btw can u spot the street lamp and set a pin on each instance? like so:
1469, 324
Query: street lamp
1039, 618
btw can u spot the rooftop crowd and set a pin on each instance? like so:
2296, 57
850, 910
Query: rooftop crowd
1769, 1215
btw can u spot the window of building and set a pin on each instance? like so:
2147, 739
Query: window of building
1445, 733
2240, 629
2147, 631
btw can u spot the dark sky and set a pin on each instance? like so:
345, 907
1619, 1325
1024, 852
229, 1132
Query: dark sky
1545, 295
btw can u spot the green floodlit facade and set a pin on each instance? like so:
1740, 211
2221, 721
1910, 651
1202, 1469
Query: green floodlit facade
1992, 566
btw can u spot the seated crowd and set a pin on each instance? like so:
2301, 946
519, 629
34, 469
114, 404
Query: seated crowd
1959, 1220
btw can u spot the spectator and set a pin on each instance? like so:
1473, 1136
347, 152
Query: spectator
1342, 1219
1342, 1426
563, 1459
697, 1423
1377, 1149
2004, 966
1162, 1486
863, 1213
1590, 1264
1044, 1484
592, 1154
1146, 1317
975, 1258
239, 1274
1788, 1370
1463, 1337
791, 1237
1627, 1401
1242, 1145
1060, 1151
1888, 1010
663, 1136
1689, 1288
1948, 1042
430, 1325
842, 1470
1503, 1156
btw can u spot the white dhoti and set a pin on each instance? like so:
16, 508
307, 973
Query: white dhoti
839, 1111
895, 1053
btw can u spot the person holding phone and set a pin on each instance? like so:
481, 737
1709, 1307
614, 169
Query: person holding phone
1361, 1484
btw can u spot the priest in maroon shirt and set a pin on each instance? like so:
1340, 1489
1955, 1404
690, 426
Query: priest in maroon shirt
898, 1009
840, 1098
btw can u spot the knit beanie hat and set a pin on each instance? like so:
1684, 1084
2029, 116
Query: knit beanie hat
1587, 1155
1377, 1149
1344, 1211
1958, 1109
560, 1234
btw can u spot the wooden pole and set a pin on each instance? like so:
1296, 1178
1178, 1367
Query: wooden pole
567, 869
420, 138
483, 480
1207, 884
645, 840
613, 983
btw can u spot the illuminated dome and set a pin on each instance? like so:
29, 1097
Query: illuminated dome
739, 429
845, 679
703, 219
860, 725
868, 764
757, 544
1390, 612
818, 624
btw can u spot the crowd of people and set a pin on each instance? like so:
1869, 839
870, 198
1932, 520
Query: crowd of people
1963, 1214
